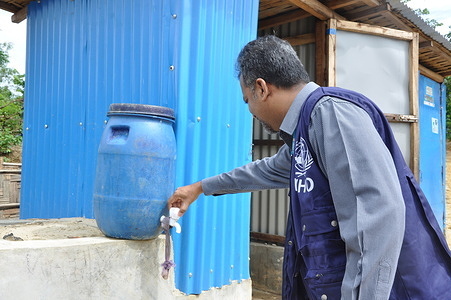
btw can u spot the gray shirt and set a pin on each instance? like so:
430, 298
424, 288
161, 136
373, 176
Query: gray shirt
363, 182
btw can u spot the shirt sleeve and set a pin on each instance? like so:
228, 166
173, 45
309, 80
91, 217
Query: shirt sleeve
268, 173
366, 194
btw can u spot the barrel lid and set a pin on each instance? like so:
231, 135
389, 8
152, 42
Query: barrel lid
141, 109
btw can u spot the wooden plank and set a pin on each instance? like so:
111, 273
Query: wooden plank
6, 164
302, 39
426, 44
320, 53
431, 74
375, 30
10, 171
446, 73
400, 118
367, 13
9, 206
438, 53
371, 3
20, 15
9, 7
292, 16
273, 7
269, 238
414, 110
331, 52
12, 213
394, 21
317, 9
336, 4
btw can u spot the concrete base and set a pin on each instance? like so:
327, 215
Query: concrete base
94, 268
266, 267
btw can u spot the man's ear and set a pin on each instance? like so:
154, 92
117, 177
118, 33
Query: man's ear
262, 89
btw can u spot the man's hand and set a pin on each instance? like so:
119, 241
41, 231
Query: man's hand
184, 196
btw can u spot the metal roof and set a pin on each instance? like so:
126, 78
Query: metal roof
435, 50
419, 22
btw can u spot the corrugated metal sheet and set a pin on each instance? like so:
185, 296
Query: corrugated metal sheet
216, 132
412, 16
270, 208
84, 55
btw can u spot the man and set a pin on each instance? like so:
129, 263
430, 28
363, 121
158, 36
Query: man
359, 226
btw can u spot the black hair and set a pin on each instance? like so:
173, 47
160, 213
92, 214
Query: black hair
273, 60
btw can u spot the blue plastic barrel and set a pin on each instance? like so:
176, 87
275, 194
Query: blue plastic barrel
135, 171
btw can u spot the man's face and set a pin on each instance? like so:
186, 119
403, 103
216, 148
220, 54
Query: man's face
257, 107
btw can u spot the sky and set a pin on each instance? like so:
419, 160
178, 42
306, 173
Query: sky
15, 34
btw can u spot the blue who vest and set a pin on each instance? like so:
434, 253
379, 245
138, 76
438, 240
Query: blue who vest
315, 259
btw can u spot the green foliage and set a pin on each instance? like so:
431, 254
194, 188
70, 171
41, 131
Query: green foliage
11, 102
424, 12
448, 35
447, 82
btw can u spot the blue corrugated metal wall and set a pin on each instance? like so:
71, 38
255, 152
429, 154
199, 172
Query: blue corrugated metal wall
432, 147
216, 134
83, 55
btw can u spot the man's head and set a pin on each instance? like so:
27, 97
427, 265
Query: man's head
273, 60
271, 75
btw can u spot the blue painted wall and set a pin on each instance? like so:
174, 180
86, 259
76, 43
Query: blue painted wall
83, 55
432, 104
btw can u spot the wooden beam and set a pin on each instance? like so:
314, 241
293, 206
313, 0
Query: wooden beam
399, 118
367, 13
431, 74
303, 39
336, 4
283, 19
269, 238
426, 44
20, 15
414, 110
435, 48
396, 21
331, 52
317, 9
375, 30
320, 53
9, 7
371, 3
9, 206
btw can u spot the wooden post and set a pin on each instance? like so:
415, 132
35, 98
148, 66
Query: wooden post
331, 47
320, 52
413, 95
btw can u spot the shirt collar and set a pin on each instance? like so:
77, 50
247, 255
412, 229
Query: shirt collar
291, 119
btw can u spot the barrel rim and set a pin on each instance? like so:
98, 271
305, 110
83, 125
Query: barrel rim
141, 109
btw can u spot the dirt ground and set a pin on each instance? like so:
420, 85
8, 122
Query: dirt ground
15, 156
448, 194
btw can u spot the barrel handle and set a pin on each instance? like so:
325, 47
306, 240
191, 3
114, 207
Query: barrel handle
118, 134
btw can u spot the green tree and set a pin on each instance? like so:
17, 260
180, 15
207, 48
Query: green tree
423, 13
11, 102
447, 82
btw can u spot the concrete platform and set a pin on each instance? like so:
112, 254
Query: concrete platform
94, 267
